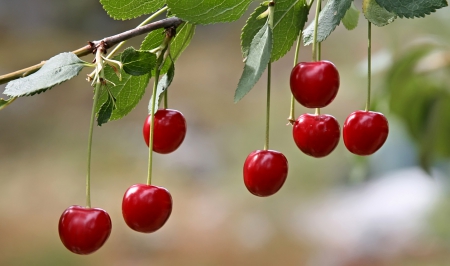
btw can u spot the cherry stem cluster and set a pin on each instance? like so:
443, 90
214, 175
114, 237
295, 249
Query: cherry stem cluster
369, 65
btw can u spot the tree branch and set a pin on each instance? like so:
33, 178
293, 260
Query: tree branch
109, 41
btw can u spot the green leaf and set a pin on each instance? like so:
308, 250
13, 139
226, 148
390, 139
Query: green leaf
127, 92
128, 9
56, 70
376, 14
163, 84
412, 8
258, 57
330, 16
351, 17
105, 112
208, 11
4, 103
179, 43
289, 18
137, 63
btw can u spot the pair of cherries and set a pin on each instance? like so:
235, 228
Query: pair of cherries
315, 85
145, 208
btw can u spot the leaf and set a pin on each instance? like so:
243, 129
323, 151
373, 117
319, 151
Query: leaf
137, 63
128, 9
163, 84
208, 11
4, 103
179, 43
351, 17
289, 18
105, 112
412, 8
376, 14
56, 70
329, 18
128, 92
258, 57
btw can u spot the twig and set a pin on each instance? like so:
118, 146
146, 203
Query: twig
108, 41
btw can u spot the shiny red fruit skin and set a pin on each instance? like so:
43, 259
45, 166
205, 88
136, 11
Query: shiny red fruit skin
84, 230
316, 135
314, 84
265, 172
170, 130
365, 132
146, 208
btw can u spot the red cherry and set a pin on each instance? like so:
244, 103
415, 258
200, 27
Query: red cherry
314, 84
170, 130
316, 135
365, 132
146, 208
265, 172
84, 230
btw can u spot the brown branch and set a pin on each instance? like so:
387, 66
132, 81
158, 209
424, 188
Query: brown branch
109, 41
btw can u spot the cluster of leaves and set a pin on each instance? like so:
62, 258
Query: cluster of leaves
261, 43
420, 78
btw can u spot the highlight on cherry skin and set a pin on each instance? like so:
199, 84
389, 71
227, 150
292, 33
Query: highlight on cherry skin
316, 135
314, 84
84, 230
146, 208
169, 133
265, 172
365, 132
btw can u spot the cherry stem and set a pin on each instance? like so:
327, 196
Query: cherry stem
166, 101
291, 117
152, 121
316, 24
317, 111
91, 130
269, 74
369, 66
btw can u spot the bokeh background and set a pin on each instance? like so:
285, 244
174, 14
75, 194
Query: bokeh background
339, 210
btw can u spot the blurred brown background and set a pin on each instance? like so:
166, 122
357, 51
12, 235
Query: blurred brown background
339, 210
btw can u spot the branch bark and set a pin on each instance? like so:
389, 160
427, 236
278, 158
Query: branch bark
109, 41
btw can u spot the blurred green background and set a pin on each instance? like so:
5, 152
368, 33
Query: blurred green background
338, 210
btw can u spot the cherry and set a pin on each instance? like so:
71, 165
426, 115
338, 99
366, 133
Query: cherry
265, 172
365, 132
316, 135
84, 230
314, 84
146, 208
170, 130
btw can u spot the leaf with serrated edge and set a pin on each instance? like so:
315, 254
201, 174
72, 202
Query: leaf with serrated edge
412, 8
376, 14
128, 9
128, 92
258, 57
329, 18
105, 112
208, 11
163, 84
350, 20
179, 43
137, 63
56, 70
289, 18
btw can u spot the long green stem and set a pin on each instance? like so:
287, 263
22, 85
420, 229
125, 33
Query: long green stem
91, 130
291, 117
369, 66
269, 74
145, 22
166, 100
316, 23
